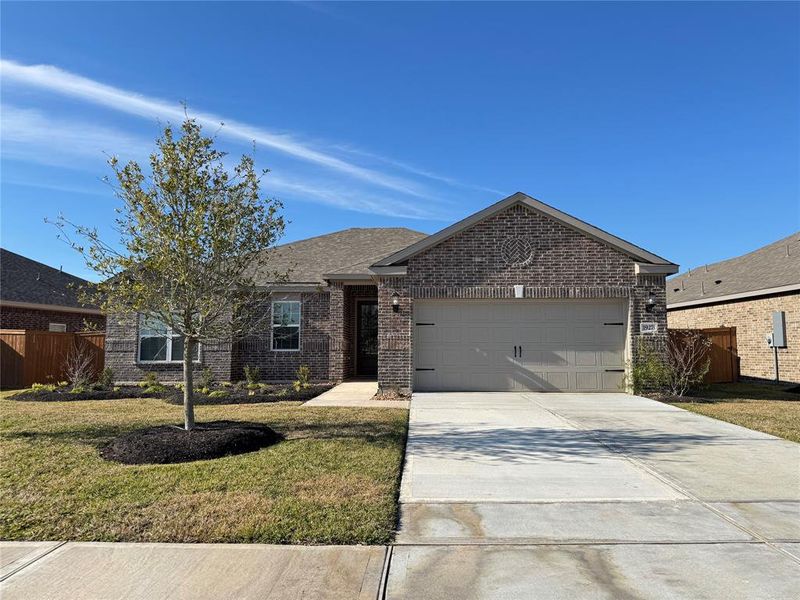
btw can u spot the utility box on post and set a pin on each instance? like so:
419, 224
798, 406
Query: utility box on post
779, 329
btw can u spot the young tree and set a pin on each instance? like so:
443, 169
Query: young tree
192, 235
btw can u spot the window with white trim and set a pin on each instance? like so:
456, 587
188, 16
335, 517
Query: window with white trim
286, 325
59, 327
158, 343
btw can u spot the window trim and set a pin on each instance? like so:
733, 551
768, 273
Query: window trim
272, 326
170, 336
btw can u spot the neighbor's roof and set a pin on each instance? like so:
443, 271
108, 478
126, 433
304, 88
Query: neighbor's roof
27, 282
342, 253
772, 269
635, 252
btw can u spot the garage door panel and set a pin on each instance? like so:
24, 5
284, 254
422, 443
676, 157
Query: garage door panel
586, 358
587, 381
472, 345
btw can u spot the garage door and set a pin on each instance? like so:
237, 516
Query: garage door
519, 345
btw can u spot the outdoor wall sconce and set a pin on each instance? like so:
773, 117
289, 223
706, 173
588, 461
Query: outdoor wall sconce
650, 305
395, 302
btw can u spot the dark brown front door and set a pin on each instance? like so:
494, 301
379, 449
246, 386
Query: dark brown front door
367, 338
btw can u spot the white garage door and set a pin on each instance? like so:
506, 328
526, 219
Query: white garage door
519, 345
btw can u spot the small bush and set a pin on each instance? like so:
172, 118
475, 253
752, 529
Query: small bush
106, 379
252, 375
150, 380
219, 394
43, 387
78, 389
155, 389
672, 365
303, 381
206, 379
79, 365
63, 383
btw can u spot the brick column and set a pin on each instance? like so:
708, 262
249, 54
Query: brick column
395, 336
337, 344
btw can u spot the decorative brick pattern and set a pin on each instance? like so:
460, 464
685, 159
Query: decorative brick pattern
475, 264
39, 320
753, 321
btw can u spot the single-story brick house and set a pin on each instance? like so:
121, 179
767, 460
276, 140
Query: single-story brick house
517, 296
744, 292
36, 297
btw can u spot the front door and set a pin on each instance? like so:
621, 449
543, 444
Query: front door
367, 338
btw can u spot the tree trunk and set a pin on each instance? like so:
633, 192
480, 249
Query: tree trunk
188, 384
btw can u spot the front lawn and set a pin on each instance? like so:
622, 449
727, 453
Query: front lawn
763, 407
334, 480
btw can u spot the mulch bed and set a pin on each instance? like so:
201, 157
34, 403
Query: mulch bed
234, 394
241, 396
168, 444
64, 394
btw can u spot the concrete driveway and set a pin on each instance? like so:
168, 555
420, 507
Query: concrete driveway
521, 495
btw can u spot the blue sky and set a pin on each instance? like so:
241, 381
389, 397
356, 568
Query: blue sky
675, 126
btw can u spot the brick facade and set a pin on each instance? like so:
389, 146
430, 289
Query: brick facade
473, 264
122, 339
563, 263
12, 317
753, 321
315, 337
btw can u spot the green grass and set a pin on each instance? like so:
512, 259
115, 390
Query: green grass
334, 480
762, 407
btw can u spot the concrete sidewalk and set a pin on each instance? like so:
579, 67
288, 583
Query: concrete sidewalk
84, 571
355, 394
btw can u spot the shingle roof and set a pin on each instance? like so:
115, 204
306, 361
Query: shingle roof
773, 266
29, 281
347, 252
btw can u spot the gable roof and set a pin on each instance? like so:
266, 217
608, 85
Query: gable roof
24, 281
771, 269
346, 252
635, 252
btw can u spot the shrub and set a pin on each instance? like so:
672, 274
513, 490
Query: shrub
219, 394
79, 365
303, 381
43, 387
106, 379
252, 375
63, 384
206, 379
78, 389
155, 389
150, 380
672, 365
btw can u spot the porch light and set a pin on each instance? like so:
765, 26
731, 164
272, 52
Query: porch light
395, 302
651, 302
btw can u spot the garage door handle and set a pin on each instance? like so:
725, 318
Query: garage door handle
615, 370
515, 352
520, 351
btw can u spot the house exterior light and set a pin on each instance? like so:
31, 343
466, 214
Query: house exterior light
395, 302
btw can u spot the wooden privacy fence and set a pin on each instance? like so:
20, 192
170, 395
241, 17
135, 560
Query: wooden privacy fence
724, 365
28, 357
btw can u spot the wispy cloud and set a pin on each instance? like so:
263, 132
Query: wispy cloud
34, 136
57, 80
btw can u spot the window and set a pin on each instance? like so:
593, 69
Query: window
157, 343
60, 327
286, 325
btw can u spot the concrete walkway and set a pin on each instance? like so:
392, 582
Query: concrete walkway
592, 496
355, 394
84, 571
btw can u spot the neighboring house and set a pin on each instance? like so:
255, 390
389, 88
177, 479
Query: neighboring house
441, 311
37, 297
743, 292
